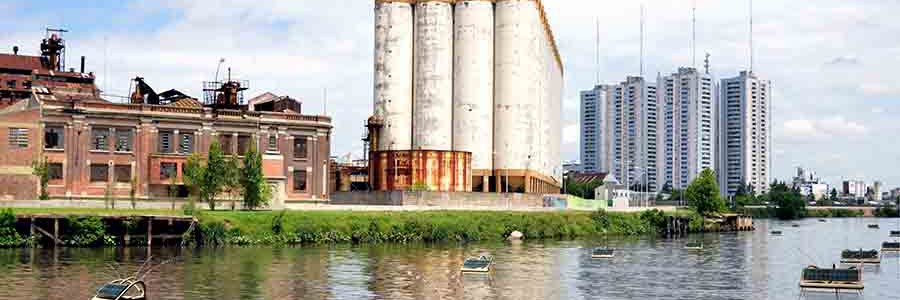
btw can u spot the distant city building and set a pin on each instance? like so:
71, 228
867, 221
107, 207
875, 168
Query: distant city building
876, 191
686, 126
571, 166
895, 193
809, 184
855, 189
593, 129
744, 133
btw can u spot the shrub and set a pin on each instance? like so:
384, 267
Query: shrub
9, 237
87, 231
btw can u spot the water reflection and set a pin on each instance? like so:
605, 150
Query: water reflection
746, 265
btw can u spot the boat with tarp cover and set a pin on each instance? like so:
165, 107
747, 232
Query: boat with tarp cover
603, 253
874, 226
122, 289
895, 233
477, 265
890, 247
836, 279
860, 256
693, 246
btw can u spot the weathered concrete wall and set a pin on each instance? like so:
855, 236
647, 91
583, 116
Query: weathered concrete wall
16, 180
433, 94
394, 73
473, 81
440, 199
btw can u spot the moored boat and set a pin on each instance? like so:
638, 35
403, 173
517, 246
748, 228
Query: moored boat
477, 265
124, 289
890, 247
603, 253
693, 246
860, 257
836, 279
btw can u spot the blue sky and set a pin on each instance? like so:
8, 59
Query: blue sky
832, 63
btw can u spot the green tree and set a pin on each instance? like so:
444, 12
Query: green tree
133, 192
703, 194
232, 180
582, 189
40, 168
789, 203
256, 190
834, 194
206, 179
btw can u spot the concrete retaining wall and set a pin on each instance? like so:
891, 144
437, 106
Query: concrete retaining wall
441, 199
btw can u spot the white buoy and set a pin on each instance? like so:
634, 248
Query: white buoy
515, 235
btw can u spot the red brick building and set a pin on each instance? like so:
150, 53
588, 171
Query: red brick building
93, 144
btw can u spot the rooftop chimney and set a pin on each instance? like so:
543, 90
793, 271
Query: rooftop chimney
82, 64
15, 50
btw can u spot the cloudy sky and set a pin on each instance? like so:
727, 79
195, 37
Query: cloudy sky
830, 61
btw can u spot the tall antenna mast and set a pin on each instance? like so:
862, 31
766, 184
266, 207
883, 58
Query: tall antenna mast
642, 40
751, 36
694, 35
597, 54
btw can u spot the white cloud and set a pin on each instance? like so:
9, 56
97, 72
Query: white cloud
571, 134
831, 127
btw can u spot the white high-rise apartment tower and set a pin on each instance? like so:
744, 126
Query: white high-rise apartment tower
594, 129
687, 134
744, 133
631, 132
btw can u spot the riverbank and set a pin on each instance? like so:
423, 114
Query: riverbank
332, 227
769, 212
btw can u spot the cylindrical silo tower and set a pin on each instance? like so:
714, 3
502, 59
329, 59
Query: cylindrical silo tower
393, 94
473, 82
518, 82
433, 75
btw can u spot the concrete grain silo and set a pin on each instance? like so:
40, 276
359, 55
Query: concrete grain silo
433, 76
517, 82
393, 94
473, 85
467, 95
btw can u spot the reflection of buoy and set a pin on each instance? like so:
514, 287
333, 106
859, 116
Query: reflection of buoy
515, 235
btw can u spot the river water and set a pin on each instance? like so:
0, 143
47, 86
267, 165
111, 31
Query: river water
745, 265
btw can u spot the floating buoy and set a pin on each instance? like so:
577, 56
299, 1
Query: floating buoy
603, 253
477, 265
515, 235
693, 246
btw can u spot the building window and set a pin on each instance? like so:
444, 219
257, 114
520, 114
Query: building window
225, 142
100, 139
99, 172
186, 143
167, 170
18, 137
165, 142
299, 181
54, 171
300, 147
273, 142
54, 137
124, 137
243, 144
11, 84
26, 84
123, 173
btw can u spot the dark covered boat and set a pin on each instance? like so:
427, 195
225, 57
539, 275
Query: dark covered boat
693, 246
603, 253
860, 256
873, 226
836, 279
776, 232
890, 247
477, 265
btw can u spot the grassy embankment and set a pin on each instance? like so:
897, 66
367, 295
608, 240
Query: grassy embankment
327, 227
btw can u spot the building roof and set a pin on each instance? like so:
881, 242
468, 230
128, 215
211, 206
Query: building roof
587, 177
20, 62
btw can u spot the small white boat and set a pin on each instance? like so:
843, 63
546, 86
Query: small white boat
601, 253
477, 265
122, 289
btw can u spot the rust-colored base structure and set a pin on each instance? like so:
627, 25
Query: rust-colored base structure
444, 171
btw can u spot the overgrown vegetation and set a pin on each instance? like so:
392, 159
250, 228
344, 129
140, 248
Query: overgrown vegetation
87, 232
311, 227
9, 237
41, 168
